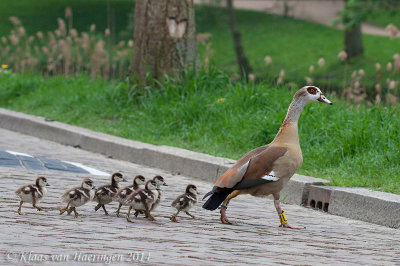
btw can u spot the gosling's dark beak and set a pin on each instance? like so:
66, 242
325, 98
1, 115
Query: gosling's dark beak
94, 187
47, 185
165, 184
323, 99
124, 180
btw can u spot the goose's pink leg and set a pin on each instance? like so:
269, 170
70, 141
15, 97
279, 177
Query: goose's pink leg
224, 206
281, 214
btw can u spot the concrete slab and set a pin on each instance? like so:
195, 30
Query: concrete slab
366, 205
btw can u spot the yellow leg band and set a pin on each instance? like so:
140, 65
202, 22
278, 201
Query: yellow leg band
282, 217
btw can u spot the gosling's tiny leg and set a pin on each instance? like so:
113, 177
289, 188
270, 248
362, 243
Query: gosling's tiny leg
128, 214
173, 217
70, 210
37, 207
104, 208
193, 217
97, 207
64, 209
76, 213
19, 209
119, 208
34, 204
150, 217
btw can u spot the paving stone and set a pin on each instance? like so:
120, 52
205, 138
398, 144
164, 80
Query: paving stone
256, 240
31, 162
10, 163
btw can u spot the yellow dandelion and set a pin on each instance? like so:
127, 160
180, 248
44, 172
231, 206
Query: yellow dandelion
4, 66
220, 100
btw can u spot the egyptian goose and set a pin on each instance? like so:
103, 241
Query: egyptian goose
32, 193
78, 196
123, 193
266, 169
106, 193
185, 202
142, 200
157, 194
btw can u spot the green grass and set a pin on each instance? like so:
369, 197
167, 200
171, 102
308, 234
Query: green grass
294, 45
351, 146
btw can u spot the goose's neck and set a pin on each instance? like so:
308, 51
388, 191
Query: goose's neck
288, 132
294, 111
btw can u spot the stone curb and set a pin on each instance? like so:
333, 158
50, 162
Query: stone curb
175, 160
299, 190
357, 203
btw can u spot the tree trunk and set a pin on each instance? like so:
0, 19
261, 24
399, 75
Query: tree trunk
353, 42
164, 38
244, 66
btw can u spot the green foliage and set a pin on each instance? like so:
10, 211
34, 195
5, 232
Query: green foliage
41, 15
384, 17
354, 13
206, 112
377, 12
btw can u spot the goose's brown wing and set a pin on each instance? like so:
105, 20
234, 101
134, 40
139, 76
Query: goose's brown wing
252, 168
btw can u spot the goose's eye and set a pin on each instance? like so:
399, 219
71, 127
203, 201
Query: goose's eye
312, 90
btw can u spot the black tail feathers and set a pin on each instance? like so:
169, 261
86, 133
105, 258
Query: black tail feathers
210, 192
216, 199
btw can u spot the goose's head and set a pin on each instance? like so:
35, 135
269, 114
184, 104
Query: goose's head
117, 177
311, 94
139, 180
159, 181
191, 189
151, 185
41, 181
88, 184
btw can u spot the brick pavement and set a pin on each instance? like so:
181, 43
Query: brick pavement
328, 239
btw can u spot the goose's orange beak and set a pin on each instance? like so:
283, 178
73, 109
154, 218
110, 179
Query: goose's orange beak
323, 99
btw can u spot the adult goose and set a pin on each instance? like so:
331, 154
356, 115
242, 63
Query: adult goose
266, 169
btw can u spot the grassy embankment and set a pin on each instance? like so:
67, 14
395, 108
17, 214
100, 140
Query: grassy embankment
351, 146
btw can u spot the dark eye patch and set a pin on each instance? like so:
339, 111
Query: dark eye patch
312, 90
